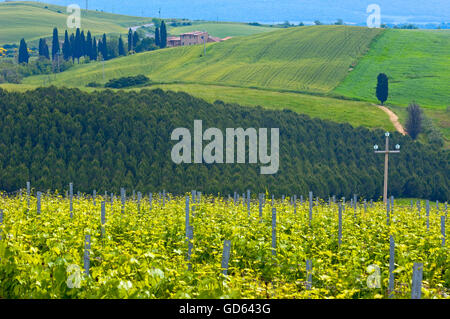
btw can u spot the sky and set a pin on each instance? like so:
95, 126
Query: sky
270, 11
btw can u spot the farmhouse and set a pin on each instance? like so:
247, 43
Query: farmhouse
192, 38
173, 41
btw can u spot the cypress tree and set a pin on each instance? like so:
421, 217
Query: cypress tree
130, 40
100, 48
77, 46
72, 47
94, 51
23, 52
414, 122
45, 50
157, 37
135, 40
55, 44
83, 44
104, 47
121, 47
88, 45
163, 37
382, 88
66, 47
41, 47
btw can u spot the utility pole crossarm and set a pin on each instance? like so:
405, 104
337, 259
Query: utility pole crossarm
384, 152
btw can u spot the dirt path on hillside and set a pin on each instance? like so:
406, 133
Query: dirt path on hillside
394, 119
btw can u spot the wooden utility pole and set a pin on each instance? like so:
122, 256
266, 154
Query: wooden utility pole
204, 44
386, 153
103, 65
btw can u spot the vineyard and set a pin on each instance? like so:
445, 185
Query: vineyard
203, 246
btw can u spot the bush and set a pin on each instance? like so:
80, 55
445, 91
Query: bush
178, 24
94, 85
13, 73
147, 44
125, 82
10, 76
435, 137
9, 73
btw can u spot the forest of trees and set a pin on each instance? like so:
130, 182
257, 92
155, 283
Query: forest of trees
59, 56
106, 140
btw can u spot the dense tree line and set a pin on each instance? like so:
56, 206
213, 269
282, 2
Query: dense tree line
80, 45
107, 140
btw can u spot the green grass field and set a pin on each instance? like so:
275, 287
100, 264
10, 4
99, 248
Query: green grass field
221, 29
308, 59
416, 62
336, 110
31, 20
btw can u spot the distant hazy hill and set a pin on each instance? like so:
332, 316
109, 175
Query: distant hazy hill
393, 11
32, 20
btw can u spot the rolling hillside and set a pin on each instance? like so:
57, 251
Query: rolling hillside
335, 61
313, 59
416, 62
32, 20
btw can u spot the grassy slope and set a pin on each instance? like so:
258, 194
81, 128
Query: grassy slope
30, 20
314, 59
311, 58
341, 111
221, 29
291, 64
416, 62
